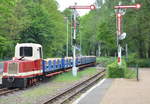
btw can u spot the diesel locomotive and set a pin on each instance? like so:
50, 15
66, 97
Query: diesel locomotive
28, 66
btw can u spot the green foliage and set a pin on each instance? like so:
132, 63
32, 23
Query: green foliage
130, 73
119, 71
5, 45
137, 28
104, 61
39, 21
116, 71
32, 21
99, 27
46, 27
133, 60
143, 62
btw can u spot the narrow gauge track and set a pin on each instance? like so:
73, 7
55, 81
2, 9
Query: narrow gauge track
5, 91
76, 89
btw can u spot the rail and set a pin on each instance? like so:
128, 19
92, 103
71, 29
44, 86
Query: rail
76, 89
5, 91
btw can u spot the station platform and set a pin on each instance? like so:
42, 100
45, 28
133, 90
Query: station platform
119, 91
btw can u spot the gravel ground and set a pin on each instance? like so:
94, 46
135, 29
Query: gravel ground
39, 93
127, 91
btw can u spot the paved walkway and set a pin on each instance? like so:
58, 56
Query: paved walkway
96, 93
125, 91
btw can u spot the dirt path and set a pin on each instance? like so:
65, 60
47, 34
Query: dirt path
125, 91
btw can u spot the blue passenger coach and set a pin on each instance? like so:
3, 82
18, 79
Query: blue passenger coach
58, 64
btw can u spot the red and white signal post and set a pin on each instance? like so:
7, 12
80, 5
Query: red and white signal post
120, 11
92, 7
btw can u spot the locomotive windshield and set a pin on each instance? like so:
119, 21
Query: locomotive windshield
26, 51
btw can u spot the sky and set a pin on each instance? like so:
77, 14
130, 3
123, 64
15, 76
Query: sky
66, 3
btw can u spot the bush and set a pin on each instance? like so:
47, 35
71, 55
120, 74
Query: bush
119, 71
115, 70
140, 62
133, 60
143, 62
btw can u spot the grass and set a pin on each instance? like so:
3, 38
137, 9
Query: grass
120, 71
68, 77
104, 61
130, 74
59, 80
37, 93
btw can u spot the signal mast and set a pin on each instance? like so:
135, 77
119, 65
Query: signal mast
91, 7
120, 11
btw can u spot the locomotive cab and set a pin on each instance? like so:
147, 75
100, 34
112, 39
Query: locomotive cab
28, 51
25, 66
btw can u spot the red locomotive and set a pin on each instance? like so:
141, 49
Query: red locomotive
28, 66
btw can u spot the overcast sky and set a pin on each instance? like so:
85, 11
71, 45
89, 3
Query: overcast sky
66, 3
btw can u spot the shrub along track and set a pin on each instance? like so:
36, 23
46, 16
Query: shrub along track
68, 94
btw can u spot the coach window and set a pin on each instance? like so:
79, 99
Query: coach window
26, 51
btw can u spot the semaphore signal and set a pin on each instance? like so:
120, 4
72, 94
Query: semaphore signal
92, 7
119, 15
137, 6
